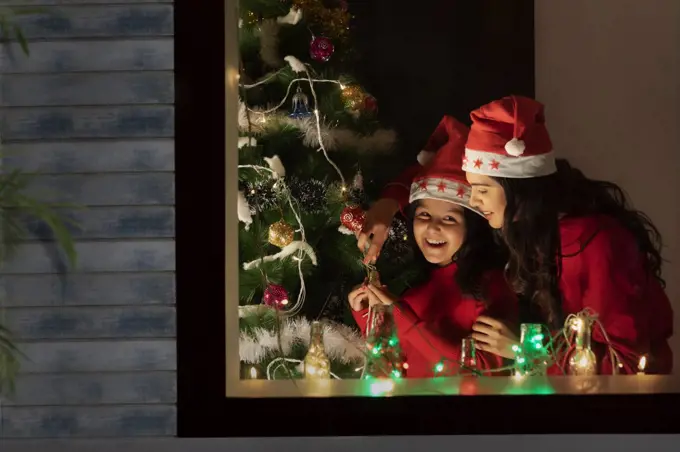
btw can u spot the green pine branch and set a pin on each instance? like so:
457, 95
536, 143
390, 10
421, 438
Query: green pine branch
18, 210
312, 183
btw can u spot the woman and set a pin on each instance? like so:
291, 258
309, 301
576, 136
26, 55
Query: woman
466, 278
574, 243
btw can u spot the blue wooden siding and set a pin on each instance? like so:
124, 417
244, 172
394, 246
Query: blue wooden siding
90, 114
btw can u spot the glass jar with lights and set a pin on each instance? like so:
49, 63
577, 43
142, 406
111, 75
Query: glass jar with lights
384, 357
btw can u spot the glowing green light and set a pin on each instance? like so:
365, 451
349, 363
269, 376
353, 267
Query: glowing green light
538, 345
520, 360
375, 350
396, 374
537, 338
393, 341
515, 348
439, 367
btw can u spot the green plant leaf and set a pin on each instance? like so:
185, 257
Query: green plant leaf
21, 39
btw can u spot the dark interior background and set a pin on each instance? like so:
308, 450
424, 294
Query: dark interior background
428, 58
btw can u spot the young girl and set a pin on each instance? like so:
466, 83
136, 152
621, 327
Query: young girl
466, 279
574, 243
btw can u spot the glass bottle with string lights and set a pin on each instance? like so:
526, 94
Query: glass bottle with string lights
384, 358
468, 359
531, 355
316, 363
582, 360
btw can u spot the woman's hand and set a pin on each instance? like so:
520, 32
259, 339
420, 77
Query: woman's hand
376, 228
493, 336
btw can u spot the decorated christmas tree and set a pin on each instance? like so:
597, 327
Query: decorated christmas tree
312, 157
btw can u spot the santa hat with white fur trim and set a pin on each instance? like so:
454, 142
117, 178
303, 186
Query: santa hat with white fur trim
442, 177
508, 138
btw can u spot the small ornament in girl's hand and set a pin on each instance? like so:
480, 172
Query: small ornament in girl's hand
321, 49
275, 296
281, 234
353, 217
373, 277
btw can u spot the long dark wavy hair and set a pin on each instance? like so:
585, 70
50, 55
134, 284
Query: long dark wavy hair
531, 230
480, 252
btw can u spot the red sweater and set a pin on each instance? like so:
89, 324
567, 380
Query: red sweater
433, 318
603, 269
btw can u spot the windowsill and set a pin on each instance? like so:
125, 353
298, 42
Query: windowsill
621, 385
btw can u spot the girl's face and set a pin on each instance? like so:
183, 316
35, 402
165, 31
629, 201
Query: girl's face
489, 197
439, 230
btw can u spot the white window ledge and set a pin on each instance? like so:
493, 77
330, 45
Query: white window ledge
628, 384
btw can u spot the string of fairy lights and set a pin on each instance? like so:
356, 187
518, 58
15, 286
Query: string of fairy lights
536, 352
530, 359
534, 355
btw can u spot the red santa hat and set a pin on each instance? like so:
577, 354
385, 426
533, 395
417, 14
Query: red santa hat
508, 138
442, 177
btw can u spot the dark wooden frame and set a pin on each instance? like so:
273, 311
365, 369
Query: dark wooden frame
204, 411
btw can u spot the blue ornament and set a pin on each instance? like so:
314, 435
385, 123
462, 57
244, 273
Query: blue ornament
300, 105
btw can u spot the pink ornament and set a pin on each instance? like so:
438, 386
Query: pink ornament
275, 296
352, 217
321, 49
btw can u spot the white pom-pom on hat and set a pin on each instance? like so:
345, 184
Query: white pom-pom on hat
515, 147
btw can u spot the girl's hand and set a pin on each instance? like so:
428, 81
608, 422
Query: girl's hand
380, 295
377, 223
358, 298
494, 336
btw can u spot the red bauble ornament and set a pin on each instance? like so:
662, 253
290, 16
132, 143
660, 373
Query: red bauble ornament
370, 104
275, 296
352, 217
321, 49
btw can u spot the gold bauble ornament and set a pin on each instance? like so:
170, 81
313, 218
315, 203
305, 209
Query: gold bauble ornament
353, 96
281, 234
333, 23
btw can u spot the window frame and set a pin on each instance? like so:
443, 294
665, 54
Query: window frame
207, 271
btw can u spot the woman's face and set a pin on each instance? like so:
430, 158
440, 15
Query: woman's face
439, 230
489, 197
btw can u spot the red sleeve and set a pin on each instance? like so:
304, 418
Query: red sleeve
629, 306
501, 304
400, 188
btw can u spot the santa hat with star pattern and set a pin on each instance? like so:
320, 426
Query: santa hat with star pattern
508, 138
442, 177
